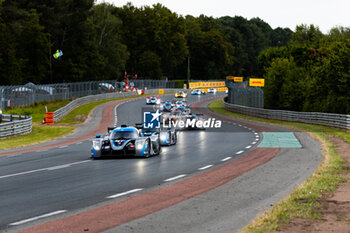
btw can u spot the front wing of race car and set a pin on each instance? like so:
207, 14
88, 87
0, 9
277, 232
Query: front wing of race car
132, 147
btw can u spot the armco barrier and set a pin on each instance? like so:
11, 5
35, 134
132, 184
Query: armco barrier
60, 113
16, 125
328, 119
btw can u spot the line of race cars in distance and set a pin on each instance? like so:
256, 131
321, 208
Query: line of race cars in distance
138, 141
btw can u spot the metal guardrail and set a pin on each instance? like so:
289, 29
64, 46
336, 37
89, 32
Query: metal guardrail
16, 125
60, 113
328, 119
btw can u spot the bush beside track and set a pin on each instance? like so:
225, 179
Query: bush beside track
303, 200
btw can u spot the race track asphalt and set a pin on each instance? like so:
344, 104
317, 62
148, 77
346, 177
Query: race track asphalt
65, 179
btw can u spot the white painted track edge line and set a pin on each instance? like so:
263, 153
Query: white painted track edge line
125, 193
175, 178
225, 159
205, 167
42, 169
239, 152
38, 217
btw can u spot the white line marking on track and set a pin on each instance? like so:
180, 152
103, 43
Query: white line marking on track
257, 136
125, 193
257, 139
78, 143
60, 147
239, 152
248, 147
225, 159
253, 143
38, 217
256, 133
44, 169
205, 167
57, 167
175, 178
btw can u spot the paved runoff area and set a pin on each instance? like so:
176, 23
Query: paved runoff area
279, 140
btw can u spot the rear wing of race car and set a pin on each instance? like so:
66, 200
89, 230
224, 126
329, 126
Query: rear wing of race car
110, 129
139, 125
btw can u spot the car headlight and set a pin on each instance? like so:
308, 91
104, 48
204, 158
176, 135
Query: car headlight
96, 145
139, 145
163, 137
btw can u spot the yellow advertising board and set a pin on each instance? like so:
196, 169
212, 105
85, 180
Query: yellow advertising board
238, 79
256, 82
195, 85
161, 91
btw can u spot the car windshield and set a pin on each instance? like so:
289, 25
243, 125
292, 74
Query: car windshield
124, 134
180, 92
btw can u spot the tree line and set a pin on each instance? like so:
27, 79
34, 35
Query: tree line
101, 42
310, 73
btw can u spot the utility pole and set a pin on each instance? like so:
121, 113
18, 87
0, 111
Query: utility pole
188, 70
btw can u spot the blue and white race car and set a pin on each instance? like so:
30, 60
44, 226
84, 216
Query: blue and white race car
167, 137
198, 92
125, 141
167, 106
212, 90
152, 100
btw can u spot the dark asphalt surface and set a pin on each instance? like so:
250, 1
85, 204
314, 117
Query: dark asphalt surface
64, 178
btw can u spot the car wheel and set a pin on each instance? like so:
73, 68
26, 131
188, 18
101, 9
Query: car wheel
149, 144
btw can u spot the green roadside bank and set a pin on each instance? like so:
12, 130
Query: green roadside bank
42, 133
303, 201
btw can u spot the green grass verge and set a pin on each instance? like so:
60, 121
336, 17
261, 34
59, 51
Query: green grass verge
37, 110
80, 114
39, 134
303, 200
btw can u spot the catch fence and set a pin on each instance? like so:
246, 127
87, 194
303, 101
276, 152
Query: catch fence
21, 96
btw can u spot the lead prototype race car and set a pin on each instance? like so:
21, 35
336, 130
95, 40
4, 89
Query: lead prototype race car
125, 141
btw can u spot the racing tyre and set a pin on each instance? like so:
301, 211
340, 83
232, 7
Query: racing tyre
149, 145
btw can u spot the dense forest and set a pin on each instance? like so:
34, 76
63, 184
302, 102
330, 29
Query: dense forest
101, 42
311, 73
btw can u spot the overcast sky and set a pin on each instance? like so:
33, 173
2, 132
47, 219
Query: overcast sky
277, 13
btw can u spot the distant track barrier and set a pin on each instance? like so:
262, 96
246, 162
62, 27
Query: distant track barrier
11, 125
328, 119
